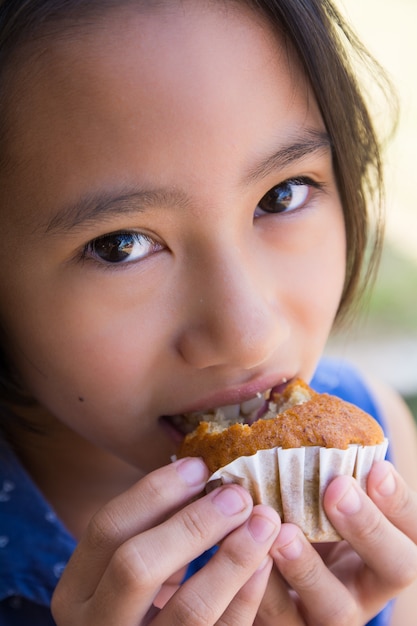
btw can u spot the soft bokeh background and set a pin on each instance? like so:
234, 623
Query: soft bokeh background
384, 342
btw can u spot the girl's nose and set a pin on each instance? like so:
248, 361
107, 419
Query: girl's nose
234, 316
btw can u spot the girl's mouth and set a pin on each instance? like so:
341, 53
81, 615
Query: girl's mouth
245, 413
262, 406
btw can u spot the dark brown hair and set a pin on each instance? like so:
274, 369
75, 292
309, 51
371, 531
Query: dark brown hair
327, 49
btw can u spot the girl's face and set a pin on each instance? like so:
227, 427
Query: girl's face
173, 238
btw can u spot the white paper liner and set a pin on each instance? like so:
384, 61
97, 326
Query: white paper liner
293, 481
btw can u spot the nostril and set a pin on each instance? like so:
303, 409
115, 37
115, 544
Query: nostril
232, 317
235, 342
198, 348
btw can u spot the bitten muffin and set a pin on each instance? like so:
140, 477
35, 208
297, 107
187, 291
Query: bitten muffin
297, 417
287, 457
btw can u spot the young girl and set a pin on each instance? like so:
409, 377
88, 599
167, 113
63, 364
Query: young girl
183, 209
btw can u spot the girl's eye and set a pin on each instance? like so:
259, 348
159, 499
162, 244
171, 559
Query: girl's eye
121, 247
290, 195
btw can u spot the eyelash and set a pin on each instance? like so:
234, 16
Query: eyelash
286, 187
123, 242
117, 243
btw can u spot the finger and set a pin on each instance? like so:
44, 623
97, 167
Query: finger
142, 564
390, 555
244, 607
321, 595
393, 497
150, 616
278, 605
143, 506
216, 593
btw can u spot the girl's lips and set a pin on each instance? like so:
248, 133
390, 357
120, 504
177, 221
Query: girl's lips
239, 405
239, 394
173, 432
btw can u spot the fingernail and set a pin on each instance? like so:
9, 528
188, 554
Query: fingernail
292, 550
267, 562
193, 471
229, 501
387, 486
350, 502
261, 528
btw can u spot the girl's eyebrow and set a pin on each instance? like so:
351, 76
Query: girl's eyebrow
98, 207
311, 141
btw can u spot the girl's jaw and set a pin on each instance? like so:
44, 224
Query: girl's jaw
144, 128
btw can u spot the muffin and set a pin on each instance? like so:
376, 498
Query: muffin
288, 456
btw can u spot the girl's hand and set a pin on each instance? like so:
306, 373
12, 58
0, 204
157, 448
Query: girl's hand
139, 540
354, 579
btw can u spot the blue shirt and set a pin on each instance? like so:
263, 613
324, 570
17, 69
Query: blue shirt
35, 546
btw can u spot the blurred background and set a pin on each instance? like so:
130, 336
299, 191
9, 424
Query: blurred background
384, 340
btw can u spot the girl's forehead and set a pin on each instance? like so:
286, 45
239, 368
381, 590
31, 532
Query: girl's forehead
173, 46
160, 30
134, 81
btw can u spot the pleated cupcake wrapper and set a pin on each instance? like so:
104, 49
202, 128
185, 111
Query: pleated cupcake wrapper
293, 481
